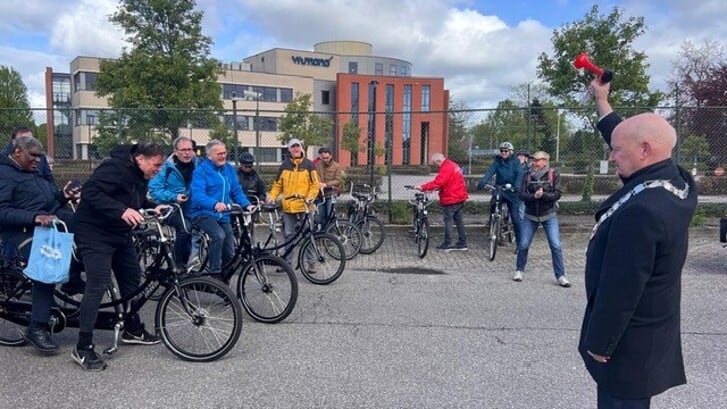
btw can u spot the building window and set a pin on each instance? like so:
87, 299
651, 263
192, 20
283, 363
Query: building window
84, 81
406, 126
403, 71
325, 97
379, 68
286, 94
392, 70
426, 90
354, 101
353, 67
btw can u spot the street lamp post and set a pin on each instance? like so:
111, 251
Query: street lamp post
233, 95
256, 96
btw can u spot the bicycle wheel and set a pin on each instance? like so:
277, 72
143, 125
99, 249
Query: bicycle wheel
322, 259
493, 237
199, 319
348, 234
372, 234
423, 238
268, 289
14, 292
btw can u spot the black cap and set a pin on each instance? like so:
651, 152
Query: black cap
246, 157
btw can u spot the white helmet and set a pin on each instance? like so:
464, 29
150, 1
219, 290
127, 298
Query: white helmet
506, 145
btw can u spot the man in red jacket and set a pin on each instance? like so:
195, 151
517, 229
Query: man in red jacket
452, 195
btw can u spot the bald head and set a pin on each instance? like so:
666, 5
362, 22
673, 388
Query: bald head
640, 141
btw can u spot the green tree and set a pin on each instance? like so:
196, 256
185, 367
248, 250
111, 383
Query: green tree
299, 122
459, 118
507, 123
608, 40
166, 78
351, 140
14, 106
694, 147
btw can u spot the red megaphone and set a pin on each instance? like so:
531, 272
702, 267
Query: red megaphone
582, 61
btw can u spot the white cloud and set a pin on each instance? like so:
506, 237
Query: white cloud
83, 29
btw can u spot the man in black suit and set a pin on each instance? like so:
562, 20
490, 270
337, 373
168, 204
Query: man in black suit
631, 338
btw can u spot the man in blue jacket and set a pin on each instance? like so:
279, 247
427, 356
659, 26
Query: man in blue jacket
507, 169
171, 185
214, 188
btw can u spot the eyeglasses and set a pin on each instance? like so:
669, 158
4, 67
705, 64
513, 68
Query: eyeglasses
504, 150
35, 154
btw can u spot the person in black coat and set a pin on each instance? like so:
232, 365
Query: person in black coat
109, 210
43, 167
630, 338
251, 183
27, 199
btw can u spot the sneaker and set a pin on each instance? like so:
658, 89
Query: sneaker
459, 247
445, 247
143, 337
563, 282
88, 359
518, 276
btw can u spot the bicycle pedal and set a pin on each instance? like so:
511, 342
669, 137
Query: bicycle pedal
110, 351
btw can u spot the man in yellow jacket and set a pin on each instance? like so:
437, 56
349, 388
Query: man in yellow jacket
297, 180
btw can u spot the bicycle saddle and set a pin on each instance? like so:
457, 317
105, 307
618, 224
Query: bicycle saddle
269, 207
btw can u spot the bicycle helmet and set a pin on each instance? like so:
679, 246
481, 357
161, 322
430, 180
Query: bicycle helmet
246, 157
506, 145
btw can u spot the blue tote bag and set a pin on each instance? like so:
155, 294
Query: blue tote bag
50, 254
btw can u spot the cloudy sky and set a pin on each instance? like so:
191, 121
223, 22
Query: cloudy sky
481, 48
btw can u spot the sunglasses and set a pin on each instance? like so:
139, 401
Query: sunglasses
246, 165
504, 150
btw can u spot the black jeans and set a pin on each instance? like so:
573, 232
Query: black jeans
607, 401
182, 239
99, 259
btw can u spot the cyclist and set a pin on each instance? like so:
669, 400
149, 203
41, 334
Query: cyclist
103, 233
27, 200
251, 183
507, 169
540, 192
171, 185
452, 195
44, 168
214, 189
330, 174
296, 176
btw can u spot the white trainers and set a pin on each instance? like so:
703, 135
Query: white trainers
518, 276
563, 282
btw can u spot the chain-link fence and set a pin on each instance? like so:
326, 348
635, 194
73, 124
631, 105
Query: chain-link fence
403, 142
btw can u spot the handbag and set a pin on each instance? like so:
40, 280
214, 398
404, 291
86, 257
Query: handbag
50, 254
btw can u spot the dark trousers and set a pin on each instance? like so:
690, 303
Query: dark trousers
99, 259
453, 213
606, 401
182, 239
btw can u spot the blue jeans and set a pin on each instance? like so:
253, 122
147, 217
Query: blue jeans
221, 247
453, 213
529, 227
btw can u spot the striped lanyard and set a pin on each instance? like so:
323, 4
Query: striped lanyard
680, 193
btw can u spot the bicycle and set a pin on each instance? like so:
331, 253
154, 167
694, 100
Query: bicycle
361, 214
347, 232
198, 318
327, 251
421, 220
266, 286
499, 222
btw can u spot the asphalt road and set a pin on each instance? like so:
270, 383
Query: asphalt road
449, 331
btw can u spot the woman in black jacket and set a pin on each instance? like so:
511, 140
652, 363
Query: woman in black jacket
27, 200
103, 223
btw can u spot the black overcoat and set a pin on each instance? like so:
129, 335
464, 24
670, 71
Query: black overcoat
633, 284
